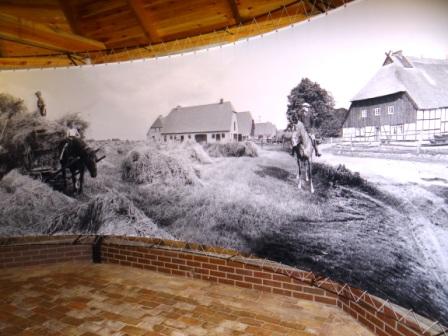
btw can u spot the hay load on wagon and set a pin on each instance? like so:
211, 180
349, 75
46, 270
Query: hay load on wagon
44, 149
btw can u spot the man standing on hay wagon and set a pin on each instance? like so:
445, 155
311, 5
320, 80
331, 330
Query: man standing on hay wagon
41, 104
305, 117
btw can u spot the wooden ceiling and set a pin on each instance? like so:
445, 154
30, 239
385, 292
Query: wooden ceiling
53, 33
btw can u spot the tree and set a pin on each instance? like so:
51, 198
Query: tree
320, 111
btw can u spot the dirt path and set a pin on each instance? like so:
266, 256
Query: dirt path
396, 251
413, 183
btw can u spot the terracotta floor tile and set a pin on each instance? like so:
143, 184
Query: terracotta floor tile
100, 299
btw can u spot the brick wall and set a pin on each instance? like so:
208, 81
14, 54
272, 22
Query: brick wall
245, 272
218, 266
28, 253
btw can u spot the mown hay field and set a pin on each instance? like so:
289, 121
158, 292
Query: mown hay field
349, 229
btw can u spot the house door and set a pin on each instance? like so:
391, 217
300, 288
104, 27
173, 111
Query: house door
218, 137
200, 138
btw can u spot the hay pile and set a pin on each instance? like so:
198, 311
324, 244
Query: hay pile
26, 205
17, 127
149, 165
232, 149
107, 214
188, 150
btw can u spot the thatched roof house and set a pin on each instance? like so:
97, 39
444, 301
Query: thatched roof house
406, 99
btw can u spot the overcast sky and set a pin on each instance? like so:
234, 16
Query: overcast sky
341, 51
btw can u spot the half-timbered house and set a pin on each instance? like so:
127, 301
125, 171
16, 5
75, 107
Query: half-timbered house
407, 99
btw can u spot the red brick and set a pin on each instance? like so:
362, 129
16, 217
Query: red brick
218, 274
226, 269
178, 261
282, 278
193, 263
406, 331
322, 299
252, 280
217, 261
235, 277
210, 266
234, 264
292, 287
380, 332
164, 259
226, 281
392, 331
243, 271
358, 308
375, 320
364, 321
263, 275
272, 283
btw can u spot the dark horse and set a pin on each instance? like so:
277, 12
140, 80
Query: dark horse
77, 156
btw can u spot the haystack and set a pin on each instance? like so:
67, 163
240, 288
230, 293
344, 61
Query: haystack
107, 214
189, 150
151, 166
232, 149
18, 128
26, 205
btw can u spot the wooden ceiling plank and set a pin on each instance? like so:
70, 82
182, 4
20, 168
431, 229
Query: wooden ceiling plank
145, 20
40, 35
235, 11
69, 9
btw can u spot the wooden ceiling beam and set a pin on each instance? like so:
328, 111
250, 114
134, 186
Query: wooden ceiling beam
28, 32
33, 62
235, 11
145, 20
69, 9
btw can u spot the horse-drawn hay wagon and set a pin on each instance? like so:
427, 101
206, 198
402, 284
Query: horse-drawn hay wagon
47, 156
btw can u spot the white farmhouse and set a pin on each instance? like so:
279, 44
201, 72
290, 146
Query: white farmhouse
203, 123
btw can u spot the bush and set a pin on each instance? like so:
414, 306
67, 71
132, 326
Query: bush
232, 149
151, 166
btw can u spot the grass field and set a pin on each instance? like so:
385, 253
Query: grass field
365, 234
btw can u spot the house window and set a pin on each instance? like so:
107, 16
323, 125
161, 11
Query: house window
390, 109
213, 135
164, 138
234, 126
363, 113
171, 137
223, 135
189, 136
377, 111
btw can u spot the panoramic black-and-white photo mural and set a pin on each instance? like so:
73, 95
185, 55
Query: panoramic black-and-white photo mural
323, 146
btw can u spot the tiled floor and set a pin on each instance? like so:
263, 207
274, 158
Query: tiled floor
100, 299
